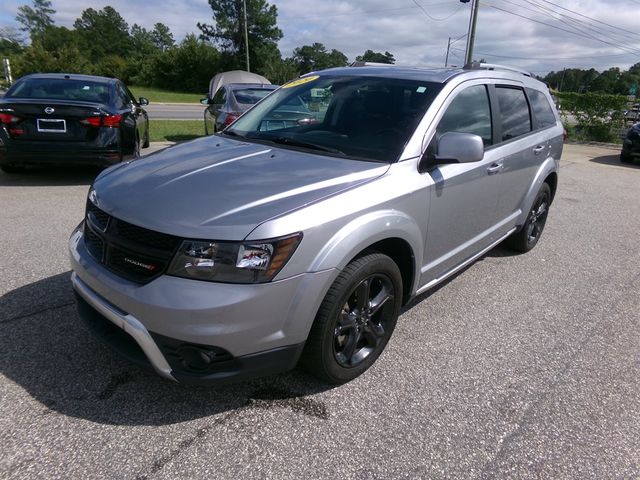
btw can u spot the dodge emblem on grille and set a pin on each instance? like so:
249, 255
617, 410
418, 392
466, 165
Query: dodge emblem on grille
49, 110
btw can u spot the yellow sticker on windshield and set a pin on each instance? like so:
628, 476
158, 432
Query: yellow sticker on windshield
301, 81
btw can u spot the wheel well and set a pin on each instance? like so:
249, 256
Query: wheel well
552, 181
400, 252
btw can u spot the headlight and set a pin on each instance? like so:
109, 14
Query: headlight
233, 262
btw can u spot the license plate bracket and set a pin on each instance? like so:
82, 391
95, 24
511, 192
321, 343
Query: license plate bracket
52, 125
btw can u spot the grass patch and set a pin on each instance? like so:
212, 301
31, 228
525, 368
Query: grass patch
166, 96
175, 130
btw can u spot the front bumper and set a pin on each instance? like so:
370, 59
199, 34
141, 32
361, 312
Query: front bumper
245, 330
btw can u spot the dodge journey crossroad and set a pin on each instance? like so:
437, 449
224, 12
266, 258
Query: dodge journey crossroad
295, 235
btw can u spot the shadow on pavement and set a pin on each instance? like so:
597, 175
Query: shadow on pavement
46, 350
50, 176
614, 160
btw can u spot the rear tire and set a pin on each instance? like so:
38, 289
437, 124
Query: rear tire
146, 139
528, 236
625, 157
136, 148
355, 320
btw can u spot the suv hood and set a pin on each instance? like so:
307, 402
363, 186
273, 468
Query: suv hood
221, 189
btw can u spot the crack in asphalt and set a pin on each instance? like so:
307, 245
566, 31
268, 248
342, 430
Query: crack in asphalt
42, 310
560, 375
261, 399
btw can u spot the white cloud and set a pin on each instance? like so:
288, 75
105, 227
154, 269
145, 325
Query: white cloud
404, 30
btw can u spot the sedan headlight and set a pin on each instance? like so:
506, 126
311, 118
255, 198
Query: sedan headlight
233, 262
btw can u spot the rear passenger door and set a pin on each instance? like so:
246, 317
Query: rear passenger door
523, 149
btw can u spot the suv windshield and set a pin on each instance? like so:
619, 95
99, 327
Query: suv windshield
62, 89
369, 118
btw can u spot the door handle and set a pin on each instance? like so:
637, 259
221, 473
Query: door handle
538, 149
494, 168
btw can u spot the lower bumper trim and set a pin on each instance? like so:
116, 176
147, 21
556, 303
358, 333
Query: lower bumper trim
129, 338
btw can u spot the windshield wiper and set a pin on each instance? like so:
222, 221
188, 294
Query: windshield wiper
231, 133
300, 143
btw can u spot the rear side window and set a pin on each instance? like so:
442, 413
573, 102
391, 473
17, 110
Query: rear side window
542, 111
470, 112
514, 112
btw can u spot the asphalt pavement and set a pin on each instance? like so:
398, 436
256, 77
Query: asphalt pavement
521, 366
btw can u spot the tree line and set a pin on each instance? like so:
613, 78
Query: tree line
101, 42
612, 81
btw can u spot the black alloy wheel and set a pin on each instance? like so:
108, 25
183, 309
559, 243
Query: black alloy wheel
529, 235
361, 325
356, 319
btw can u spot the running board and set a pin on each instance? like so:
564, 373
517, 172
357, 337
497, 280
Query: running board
436, 281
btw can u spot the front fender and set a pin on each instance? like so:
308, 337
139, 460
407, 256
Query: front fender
549, 166
362, 232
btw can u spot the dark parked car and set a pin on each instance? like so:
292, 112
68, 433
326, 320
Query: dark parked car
230, 94
631, 144
72, 120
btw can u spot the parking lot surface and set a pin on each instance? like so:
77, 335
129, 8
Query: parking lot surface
521, 366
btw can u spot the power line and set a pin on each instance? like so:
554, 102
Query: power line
544, 58
611, 35
434, 18
590, 18
620, 47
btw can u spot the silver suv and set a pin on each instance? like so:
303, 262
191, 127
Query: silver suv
296, 234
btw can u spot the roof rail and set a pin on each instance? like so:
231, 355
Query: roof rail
371, 64
493, 66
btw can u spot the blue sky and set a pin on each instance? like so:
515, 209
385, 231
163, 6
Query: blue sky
416, 32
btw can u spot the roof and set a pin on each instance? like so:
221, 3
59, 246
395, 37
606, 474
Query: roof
72, 76
433, 74
392, 71
234, 76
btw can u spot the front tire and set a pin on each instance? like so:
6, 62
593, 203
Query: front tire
625, 157
355, 320
528, 236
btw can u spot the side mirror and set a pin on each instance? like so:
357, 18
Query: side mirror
454, 147
143, 101
204, 101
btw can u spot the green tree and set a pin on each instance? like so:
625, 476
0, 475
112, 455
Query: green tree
35, 20
162, 37
227, 31
11, 41
281, 71
317, 57
187, 67
37, 59
103, 33
376, 57
142, 41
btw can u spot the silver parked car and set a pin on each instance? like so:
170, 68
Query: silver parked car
271, 244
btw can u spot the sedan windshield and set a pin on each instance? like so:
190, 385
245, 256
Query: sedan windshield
60, 89
369, 118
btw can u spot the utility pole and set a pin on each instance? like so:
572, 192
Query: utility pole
468, 58
246, 33
446, 59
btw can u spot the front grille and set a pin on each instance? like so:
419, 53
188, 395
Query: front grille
132, 252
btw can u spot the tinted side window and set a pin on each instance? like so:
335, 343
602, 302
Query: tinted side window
541, 109
470, 112
514, 112
123, 98
218, 98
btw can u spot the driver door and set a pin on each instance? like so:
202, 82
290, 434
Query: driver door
464, 198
